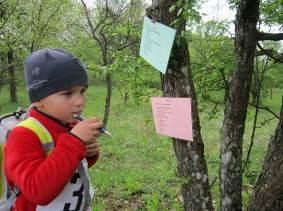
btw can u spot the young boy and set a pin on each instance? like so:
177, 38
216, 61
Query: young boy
54, 180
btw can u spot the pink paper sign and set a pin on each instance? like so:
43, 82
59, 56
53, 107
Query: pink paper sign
172, 117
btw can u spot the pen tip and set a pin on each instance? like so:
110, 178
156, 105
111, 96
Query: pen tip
106, 132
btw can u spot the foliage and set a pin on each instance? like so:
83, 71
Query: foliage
265, 65
186, 10
26, 26
114, 26
272, 12
212, 60
141, 80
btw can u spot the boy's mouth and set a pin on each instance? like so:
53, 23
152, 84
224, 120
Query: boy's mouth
75, 114
78, 113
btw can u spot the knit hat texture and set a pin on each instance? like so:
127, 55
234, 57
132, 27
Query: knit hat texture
51, 70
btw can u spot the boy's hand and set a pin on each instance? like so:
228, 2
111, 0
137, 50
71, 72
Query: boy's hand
92, 148
87, 131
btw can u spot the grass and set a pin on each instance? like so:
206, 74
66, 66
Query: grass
137, 167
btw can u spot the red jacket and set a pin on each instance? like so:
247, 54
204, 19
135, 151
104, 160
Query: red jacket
39, 177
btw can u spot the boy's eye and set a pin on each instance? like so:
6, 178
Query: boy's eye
68, 93
83, 91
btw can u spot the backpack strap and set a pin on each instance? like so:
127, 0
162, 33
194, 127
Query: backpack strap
13, 194
40, 130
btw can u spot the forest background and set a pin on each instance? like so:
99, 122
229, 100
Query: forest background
138, 168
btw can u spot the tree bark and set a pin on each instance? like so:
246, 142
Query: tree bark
177, 82
268, 190
269, 36
13, 85
236, 106
107, 98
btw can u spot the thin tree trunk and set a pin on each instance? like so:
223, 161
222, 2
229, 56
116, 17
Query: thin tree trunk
102, 42
108, 79
107, 98
13, 85
177, 82
268, 190
236, 106
260, 78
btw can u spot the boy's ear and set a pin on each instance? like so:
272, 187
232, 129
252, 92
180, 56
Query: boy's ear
37, 104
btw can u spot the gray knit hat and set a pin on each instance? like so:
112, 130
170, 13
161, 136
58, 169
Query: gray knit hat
51, 70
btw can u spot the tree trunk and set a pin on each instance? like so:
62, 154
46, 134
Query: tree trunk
108, 79
236, 106
107, 98
177, 82
268, 190
103, 43
13, 85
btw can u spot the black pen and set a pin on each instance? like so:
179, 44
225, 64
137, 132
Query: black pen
102, 129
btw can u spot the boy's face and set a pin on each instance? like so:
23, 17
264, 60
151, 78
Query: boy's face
63, 105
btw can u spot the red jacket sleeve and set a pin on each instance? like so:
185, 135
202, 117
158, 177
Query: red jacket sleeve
92, 160
41, 177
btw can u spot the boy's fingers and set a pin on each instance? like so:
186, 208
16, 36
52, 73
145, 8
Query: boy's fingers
92, 119
95, 133
93, 141
93, 148
92, 145
88, 130
96, 125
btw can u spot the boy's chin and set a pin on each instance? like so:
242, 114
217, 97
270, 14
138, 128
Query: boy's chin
72, 121
68, 121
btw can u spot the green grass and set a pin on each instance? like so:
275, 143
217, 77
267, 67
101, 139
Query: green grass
137, 167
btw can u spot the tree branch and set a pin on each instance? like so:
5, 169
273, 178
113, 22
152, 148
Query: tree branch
8, 66
93, 30
277, 57
6, 20
269, 36
41, 33
266, 108
258, 87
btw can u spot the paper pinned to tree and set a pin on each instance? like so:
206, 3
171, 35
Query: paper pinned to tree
156, 44
172, 117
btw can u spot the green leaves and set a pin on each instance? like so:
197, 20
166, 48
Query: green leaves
272, 12
134, 76
212, 56
186, 11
